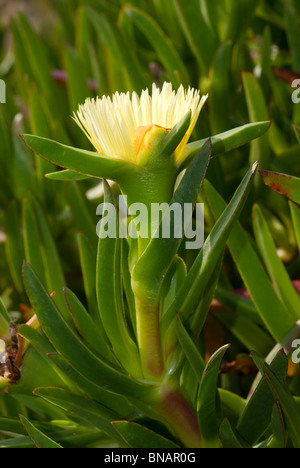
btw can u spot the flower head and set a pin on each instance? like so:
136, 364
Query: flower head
115, 125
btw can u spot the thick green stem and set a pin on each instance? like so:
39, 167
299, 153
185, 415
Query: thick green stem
180, 417
149, 339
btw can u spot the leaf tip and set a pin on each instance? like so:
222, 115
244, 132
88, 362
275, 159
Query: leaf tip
263, 173
25, 264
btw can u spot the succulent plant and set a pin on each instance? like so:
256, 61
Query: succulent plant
135, 340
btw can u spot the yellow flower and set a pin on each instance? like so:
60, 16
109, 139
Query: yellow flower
115, 125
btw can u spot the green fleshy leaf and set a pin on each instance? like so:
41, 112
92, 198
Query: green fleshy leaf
69, 345
258, 111
78, 89
41, 252
209, 13
151, 268
85, 162
272, 311
240, 15
117, 403
188, 382
130, 299
86, 327
286, 344
14, 244
82, 213
267, 13
88, 266
279, 438
110, 293
39, 115
204, 265
292, 29
174, 137
17, 442
194, 357
36, 371
295, 212
89, 411
227, 141
166, 15
238, 303
114, 39
33, 252
287, 185
200, 37
23, 67
176, 275
260, 403
276, 269
43, 348
4, 321
161, 43
138, 436
38, 57
297, 132
83, 38
285, 398
40, 440
66, 175
203, 308
206, 408
251, 335
232, 405
228, 437
219, 95
12, 425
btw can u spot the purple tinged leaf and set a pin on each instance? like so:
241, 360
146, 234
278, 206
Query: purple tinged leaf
284, 184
